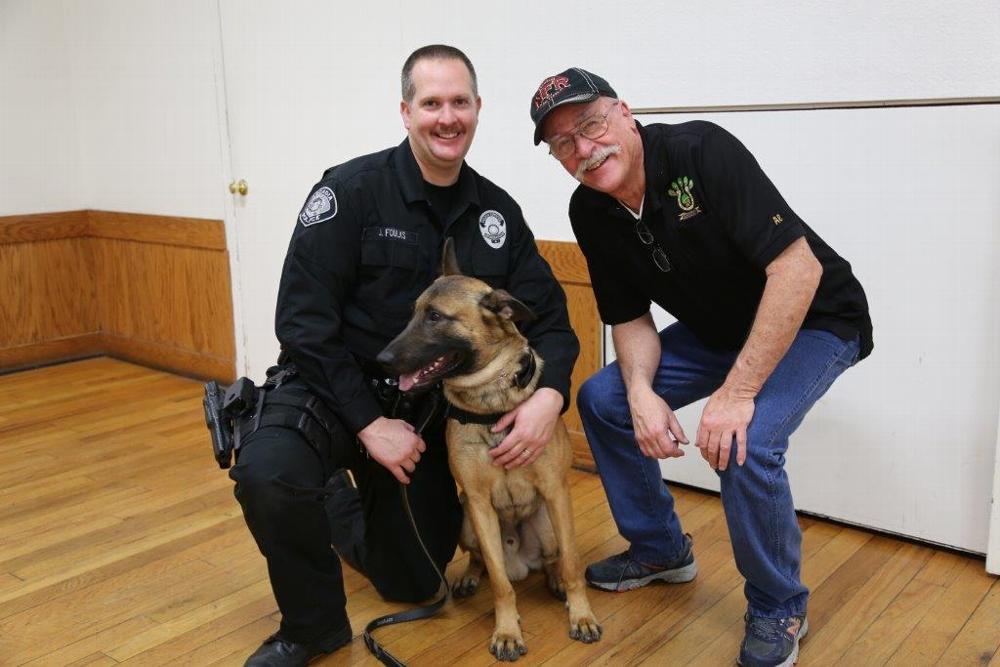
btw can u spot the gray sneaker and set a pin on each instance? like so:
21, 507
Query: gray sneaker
772, 642
622, 572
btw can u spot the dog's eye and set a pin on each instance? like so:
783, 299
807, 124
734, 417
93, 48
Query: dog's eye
433, 316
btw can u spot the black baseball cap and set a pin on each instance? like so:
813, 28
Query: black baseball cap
574, 86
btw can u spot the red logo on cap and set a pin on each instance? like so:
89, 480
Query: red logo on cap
549, 89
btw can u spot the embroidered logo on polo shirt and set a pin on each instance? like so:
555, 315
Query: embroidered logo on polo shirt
777, 219
493, 228
322, 206
681, 188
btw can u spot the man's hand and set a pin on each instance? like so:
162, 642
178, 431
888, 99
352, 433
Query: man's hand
534, 422
657, 430
395, 444
792, 280
726, 416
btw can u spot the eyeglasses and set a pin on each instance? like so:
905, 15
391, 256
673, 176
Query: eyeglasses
646, 236
561, 146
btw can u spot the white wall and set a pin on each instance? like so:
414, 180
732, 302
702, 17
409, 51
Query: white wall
38, 152
109, 104
143, 91
115, 99
113, 104
659, 54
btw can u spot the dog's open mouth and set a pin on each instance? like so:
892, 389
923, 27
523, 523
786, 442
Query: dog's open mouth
431, 372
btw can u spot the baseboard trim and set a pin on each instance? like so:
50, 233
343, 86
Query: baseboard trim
145, 288
166, 357
45, 352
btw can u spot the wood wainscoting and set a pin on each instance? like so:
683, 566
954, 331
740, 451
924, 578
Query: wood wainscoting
156, 290
147, 288
570, 269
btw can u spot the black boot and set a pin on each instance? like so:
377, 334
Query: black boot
278, 652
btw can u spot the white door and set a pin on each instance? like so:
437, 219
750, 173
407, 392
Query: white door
292, 114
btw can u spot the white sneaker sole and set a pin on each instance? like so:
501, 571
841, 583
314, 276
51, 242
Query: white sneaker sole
680, 575
793, 657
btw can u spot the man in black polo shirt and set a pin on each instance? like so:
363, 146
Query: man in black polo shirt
367, 242
768, 317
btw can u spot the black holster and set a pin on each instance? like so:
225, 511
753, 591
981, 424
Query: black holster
294, 408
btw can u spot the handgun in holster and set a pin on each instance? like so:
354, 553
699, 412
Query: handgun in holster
222, 409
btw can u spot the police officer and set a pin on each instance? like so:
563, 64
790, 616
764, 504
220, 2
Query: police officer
367, 242
768, 317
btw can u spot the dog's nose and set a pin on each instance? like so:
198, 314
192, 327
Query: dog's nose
385, 357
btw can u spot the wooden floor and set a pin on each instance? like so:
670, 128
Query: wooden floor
120, 542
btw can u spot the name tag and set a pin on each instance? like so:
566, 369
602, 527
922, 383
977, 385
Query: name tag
409, 237
391, 233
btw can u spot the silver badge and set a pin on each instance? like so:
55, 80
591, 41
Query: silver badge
493, 228
321, 207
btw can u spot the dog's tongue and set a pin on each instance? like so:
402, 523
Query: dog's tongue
406, 382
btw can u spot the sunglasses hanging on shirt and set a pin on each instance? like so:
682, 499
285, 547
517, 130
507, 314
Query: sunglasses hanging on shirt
646, 236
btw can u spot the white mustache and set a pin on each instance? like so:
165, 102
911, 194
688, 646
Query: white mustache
600, 155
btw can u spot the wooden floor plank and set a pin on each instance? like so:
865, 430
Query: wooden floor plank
835, 635
936, 630
121, 543
94, 660
978, 640
919, 597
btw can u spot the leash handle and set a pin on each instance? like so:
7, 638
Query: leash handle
426, 611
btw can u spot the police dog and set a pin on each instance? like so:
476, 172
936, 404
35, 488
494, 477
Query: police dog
463, 334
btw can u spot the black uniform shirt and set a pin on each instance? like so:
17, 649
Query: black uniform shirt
365, 246
720, 221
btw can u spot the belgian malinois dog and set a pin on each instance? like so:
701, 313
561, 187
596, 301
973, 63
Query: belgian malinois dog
463, 333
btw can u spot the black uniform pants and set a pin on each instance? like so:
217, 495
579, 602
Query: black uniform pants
280, 484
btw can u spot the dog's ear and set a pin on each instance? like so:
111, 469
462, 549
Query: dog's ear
449, 262
506, 306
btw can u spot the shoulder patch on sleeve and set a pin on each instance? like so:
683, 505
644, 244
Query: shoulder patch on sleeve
322, 206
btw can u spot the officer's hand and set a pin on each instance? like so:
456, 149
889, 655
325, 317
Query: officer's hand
657, 431
395, 444
726, 416
534, 423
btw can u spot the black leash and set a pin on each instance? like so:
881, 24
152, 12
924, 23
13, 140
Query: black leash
426, 611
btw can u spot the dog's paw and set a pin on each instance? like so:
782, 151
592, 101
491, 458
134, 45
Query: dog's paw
586, 630
507, 647
556, 587
465, 586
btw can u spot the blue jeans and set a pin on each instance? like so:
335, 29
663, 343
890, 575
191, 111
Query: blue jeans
757, 499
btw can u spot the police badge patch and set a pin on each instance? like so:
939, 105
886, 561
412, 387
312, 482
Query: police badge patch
322, 206
493, 228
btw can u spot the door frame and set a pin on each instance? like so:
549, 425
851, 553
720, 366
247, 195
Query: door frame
231, 218
993, 546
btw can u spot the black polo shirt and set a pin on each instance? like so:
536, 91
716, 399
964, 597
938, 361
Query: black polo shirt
367, 243
720, 222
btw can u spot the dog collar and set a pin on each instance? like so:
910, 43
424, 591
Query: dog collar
466, 417
527, 371
521, 380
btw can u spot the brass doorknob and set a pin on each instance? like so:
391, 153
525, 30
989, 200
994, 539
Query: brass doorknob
239, 186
